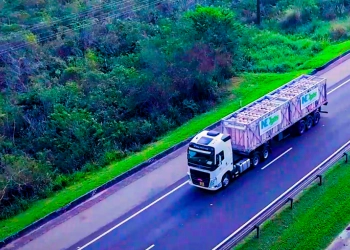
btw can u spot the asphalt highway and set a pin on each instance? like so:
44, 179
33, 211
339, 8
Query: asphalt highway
190, 218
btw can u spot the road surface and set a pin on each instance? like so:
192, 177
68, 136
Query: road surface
189, 218
342, 241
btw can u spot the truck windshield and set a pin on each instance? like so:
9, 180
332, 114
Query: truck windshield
200, 157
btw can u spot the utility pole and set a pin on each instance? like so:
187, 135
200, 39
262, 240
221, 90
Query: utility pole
258, 14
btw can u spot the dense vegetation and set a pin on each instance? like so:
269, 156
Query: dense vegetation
87, 87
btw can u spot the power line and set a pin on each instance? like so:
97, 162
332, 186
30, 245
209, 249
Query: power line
23, 44
81, 14
70, 18
144, 5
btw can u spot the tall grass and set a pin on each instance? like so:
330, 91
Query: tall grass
273, 52
326, 55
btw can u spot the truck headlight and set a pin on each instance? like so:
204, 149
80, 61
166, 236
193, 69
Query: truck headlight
212, 182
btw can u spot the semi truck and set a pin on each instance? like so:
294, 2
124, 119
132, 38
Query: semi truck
245, 137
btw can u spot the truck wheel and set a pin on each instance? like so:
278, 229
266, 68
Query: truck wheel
301, 127
265, 153
317, 117
225, 180
255, 159
309, 122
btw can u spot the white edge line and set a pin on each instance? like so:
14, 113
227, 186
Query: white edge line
341, 85
178, 187
150, 247
132, 216
276, 159
268, 206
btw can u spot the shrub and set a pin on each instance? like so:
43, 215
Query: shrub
248, 16
21, 177
338, 31
61, 181
291, 19
70, 74
112, 156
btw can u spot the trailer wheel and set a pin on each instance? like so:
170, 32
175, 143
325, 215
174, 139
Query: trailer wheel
317, 118
225, 180
301, 127
309, 122
255, 159
265, 153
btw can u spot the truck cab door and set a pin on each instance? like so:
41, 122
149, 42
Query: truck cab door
219, 160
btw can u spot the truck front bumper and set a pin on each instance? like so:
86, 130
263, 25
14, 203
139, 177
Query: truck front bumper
212, 188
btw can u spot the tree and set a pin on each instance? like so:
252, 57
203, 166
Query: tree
217, 36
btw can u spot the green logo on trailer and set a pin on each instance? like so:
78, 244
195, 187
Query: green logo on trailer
270, 122
274, 119
309, 98
312, 96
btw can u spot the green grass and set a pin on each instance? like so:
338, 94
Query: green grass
317, 217
269, 50
326, 55
252, 87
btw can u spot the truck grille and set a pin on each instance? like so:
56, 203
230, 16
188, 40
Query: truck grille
199, 176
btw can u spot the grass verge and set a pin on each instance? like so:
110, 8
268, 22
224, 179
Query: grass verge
317, 217
326, 55
252, 87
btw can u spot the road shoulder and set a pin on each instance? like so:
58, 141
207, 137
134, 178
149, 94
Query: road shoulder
342, 242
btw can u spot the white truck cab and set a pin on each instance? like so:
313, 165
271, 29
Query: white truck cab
210, 158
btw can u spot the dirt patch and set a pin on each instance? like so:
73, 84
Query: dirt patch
234, 84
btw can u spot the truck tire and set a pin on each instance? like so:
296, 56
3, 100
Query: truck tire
255, 159
309, 122
225, 181
265, 153
300, 127
317, 118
